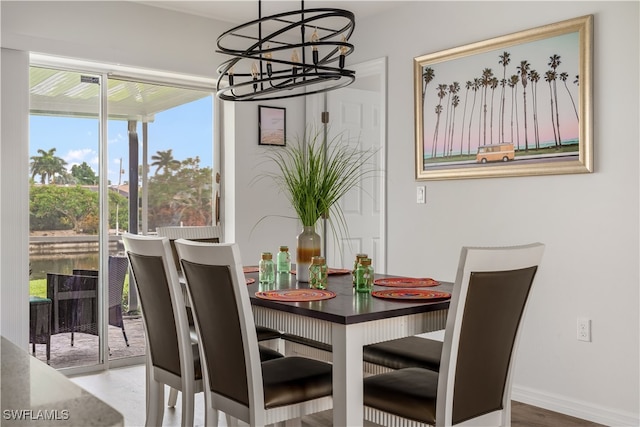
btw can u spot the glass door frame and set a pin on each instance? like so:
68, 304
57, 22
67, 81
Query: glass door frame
106, 72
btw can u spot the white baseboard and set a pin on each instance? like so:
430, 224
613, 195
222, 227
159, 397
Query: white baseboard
575, 408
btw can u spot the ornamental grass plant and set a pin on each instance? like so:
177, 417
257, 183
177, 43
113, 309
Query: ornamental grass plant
315, 175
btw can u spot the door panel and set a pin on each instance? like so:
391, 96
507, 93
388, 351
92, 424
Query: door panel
356, 112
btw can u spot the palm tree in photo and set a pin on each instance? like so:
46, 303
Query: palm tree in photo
454, 88
554, 63
164, 160
534, 77
505, 59
475, 86
564, 77
47, 165
427, 76
442, 92
493, 85
446, 124
467, 86
454, 103
550, 76
523, 70
487, 77
513, 84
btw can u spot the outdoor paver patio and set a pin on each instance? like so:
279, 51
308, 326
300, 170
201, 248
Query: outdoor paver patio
85, 348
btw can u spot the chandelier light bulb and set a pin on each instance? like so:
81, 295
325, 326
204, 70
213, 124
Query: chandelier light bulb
314, 47
343, 52
268, 56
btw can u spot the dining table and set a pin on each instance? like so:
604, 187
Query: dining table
347, 321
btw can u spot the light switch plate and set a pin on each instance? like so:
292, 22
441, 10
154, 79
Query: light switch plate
421, 194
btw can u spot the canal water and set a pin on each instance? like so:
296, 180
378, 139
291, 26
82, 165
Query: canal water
62, 264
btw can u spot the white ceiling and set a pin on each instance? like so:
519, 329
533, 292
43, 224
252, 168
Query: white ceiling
239, 11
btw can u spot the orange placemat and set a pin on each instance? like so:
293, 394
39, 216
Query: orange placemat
296, 295
411, 294
406, 282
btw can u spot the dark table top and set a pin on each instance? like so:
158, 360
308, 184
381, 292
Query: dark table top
348, 307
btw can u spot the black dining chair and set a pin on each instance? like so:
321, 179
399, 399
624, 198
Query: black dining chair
212, 234
473, 383
408, 352
236, 381
172, 358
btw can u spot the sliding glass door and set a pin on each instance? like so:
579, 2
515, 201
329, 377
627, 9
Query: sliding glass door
64, 147
140, 159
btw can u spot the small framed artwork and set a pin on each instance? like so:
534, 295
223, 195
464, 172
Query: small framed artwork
272, 125
515, 105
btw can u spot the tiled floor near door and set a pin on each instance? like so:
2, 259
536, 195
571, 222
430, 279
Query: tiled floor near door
123, 388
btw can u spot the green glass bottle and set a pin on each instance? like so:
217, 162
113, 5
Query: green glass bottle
355, 266
283, 260
318, 273
364, 276
266, 269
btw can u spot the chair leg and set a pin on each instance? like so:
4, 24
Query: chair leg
124, 334
188, 404
211, 417
155, 403
173, 398
48, 347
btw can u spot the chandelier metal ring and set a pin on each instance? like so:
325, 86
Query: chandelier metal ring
269, 67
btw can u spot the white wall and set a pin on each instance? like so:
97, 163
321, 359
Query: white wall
14, 224
589, 222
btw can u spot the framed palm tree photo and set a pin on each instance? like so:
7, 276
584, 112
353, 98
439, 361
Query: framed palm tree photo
514, 105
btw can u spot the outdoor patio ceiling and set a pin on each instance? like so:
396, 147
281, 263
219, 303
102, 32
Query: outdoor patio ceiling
72, 94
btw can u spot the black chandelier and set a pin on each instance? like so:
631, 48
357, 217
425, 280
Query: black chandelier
302, 53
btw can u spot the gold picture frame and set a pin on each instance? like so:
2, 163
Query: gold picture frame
505, 127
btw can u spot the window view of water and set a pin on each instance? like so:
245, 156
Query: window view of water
62, 264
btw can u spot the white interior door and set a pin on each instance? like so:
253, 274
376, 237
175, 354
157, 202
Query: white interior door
358, 112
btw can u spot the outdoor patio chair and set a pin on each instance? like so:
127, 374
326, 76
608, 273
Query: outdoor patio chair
40, 323
118, 267
74, 303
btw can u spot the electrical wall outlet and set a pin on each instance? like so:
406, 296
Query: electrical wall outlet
584, 329
421, 194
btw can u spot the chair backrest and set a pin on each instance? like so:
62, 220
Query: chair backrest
162, 302
74, 300
205, 233
190, 233
118, 266
223, 317
487, 307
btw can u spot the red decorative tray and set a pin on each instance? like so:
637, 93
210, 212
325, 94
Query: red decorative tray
411, 294
296, 295
406, 282
250, 269
250, 280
